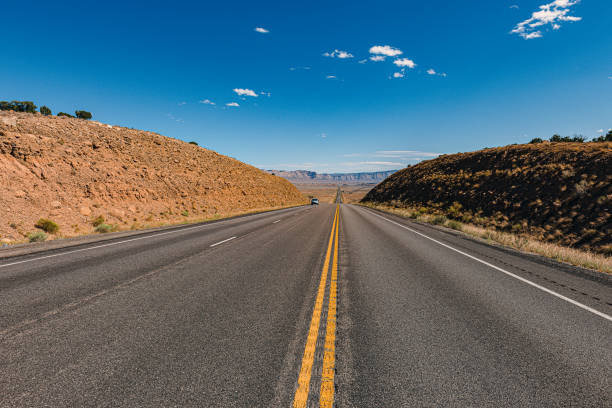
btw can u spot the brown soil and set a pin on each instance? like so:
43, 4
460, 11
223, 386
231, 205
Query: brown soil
72, 170
557, 192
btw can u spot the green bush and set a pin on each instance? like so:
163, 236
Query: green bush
97, 221
456, 225
45, 111
38, 236
606, 138
18, 106
536, 140
185, 213
194, 143
82, 114
65, 114
439, 220
47, 226
104, 228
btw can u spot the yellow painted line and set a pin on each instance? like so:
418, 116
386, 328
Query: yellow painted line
301, 394
326, 397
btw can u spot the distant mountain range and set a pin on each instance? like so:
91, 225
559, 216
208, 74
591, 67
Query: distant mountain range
311, 177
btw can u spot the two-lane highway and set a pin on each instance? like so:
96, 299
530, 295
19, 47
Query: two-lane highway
312, 306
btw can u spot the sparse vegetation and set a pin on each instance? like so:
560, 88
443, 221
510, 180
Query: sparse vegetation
65, 114
185, 213
104, 228
47, 226
98, 221
81, 114
18, 106
45, 111
558, 193
37, 236
194, 143
536, 140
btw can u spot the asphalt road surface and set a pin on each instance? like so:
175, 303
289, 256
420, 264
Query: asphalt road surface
330, 305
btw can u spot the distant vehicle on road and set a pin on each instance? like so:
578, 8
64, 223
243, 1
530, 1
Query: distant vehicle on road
314, 201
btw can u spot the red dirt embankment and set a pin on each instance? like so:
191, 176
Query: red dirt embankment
555, 192
72, 170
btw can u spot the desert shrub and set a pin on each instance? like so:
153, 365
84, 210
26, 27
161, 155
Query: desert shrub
47, 226
422, 210
98, 221
194, 143
413, 215
65, 114
606, 138
18, 106
82, 114
185, 213
456, 225
536, 140
104, 228
45, 111
38, 236
439, 220
567, 139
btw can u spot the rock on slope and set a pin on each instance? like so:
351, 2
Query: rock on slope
71, 170
559, 192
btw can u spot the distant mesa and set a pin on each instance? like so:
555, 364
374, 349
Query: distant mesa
311, 177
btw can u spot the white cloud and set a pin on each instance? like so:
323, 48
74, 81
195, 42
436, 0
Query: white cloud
231, 104
553, 13
600, 131
514, 6
330, 77
244, 91
385, 50
296, 68
338, 54
182, 103
377, 58
268, 94
398, 75
404, 62
406, 154
261, 30
363, 61
207, 102
431, 71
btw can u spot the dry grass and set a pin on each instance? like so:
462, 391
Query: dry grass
521, 242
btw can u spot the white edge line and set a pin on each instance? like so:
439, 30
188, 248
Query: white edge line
153, 235
221, 242
535, 285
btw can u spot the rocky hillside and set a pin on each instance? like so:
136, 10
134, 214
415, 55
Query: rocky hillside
311, 177
558, 192
72, 170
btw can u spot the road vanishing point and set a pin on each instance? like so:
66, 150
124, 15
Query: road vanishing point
333, 305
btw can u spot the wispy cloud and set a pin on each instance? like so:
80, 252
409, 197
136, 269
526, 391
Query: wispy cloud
363, 61
245, 92
514, 6
182, 103
398, 75
377, 58
207, 102
330, 77
404, 62
172, 117
296, 68
338, 54
385, 50
262, 30
552, 14
432, 71
232, 104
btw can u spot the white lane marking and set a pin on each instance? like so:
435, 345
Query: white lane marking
221, 242
111, 244
276, 221
535, 285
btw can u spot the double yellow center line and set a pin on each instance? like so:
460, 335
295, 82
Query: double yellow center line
326, 396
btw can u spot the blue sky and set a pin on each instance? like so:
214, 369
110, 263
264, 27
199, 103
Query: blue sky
322, 102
